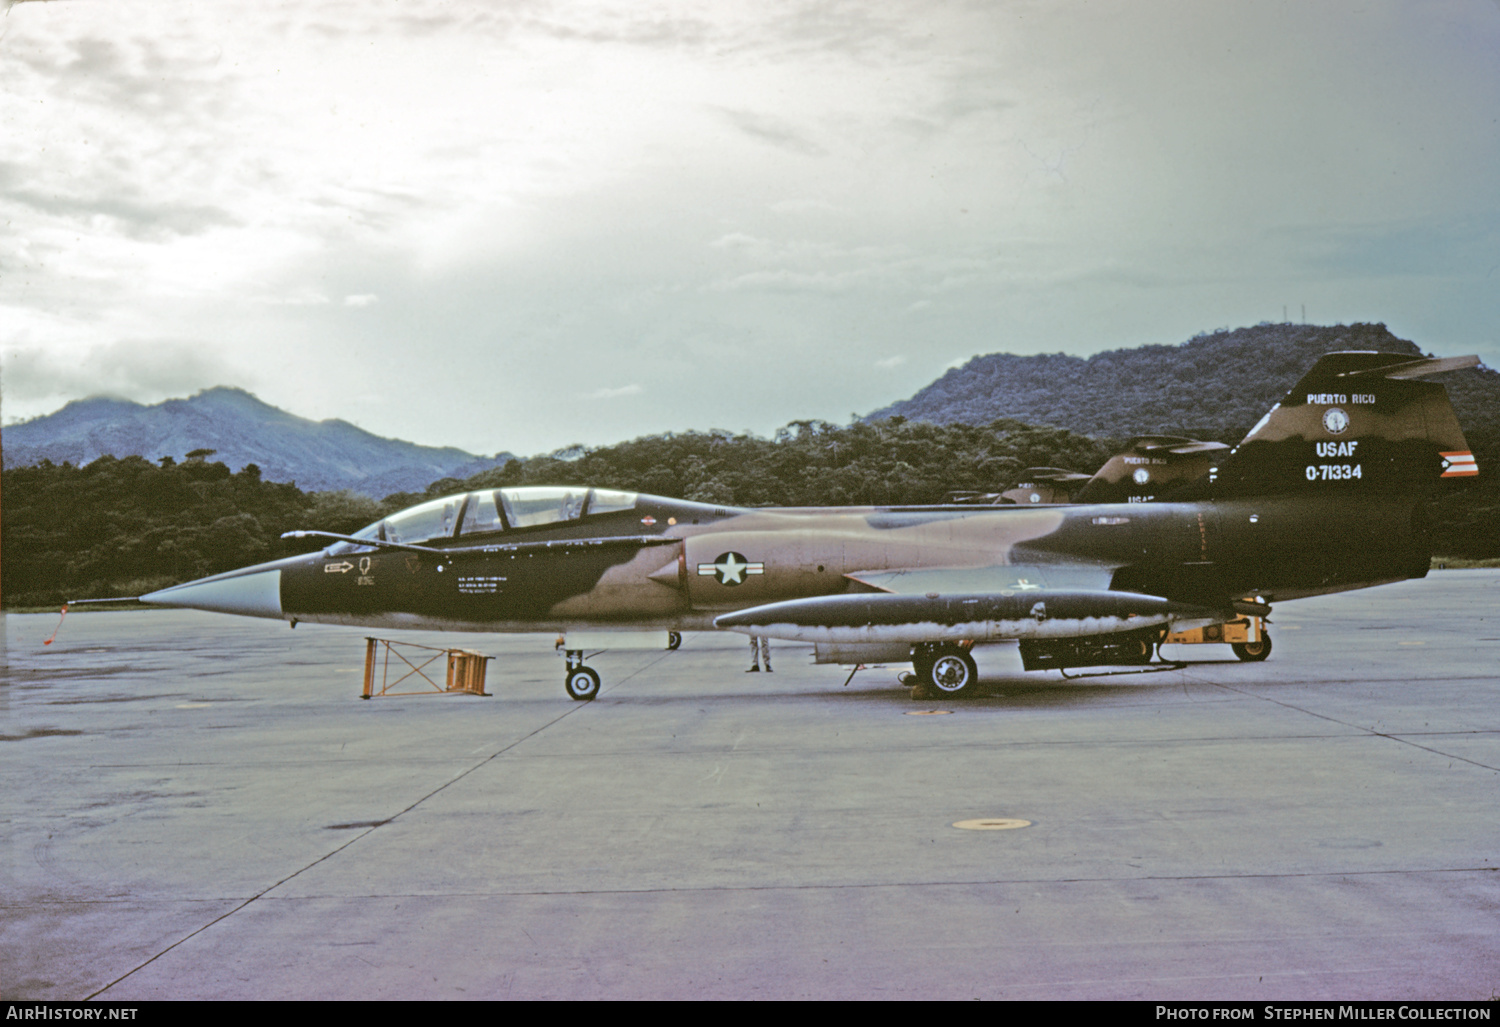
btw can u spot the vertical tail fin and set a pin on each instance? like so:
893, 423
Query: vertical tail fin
1357, 423
1152, 468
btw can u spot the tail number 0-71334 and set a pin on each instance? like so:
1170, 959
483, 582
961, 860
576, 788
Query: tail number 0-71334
1333, 472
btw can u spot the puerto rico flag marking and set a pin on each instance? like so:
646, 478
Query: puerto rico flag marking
1459, 465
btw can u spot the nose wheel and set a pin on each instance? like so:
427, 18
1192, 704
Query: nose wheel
580, 682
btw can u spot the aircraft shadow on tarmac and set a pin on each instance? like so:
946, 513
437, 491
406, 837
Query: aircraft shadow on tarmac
994, 692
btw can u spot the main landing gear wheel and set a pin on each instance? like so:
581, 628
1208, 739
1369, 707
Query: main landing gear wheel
1141, 654
1253, 652
582, 683
674, 640
951, 675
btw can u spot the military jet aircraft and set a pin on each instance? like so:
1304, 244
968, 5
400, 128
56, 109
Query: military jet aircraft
1151, 469
1148, 469
1037, 485
1325, 494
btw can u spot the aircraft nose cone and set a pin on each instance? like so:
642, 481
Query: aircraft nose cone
252, 592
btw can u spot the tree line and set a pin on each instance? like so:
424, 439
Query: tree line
123, 526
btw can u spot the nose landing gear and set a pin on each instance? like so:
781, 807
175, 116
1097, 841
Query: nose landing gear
581, 682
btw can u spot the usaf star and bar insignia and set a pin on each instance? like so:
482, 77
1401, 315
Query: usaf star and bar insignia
730, 569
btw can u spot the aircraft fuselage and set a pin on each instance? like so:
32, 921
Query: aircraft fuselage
676, 565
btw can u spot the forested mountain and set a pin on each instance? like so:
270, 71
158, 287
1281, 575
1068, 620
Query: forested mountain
807, 463
240, 430
1214, 386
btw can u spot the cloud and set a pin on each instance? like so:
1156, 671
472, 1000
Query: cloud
629, 26
777, 132
623, 390
740, 241
779, 194
786, 280
107, 196
813, 206
146, 370
303, 297
887, 363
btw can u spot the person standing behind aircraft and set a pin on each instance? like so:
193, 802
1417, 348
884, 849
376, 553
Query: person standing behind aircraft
760, 650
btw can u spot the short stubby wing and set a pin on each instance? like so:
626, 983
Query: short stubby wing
1000, 579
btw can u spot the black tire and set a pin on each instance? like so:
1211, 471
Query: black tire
1142, 653
1253, 652
674, 640
921, 661
952, 675
582, 684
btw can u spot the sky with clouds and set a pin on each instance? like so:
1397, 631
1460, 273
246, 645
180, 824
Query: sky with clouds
518, 225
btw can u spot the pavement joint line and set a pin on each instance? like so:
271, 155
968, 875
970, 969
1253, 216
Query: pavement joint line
903, 748
1327, 681
1202, 977
335, 851
874, 885
1369, 731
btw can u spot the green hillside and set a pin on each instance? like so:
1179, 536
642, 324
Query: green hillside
809, 463
1212, 386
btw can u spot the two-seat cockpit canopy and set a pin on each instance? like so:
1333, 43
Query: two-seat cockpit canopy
490, 511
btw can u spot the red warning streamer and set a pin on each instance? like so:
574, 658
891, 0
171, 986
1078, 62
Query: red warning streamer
59, 626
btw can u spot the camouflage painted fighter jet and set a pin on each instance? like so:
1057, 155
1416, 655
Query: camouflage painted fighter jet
1149, 469
1325, 494
1037, 485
